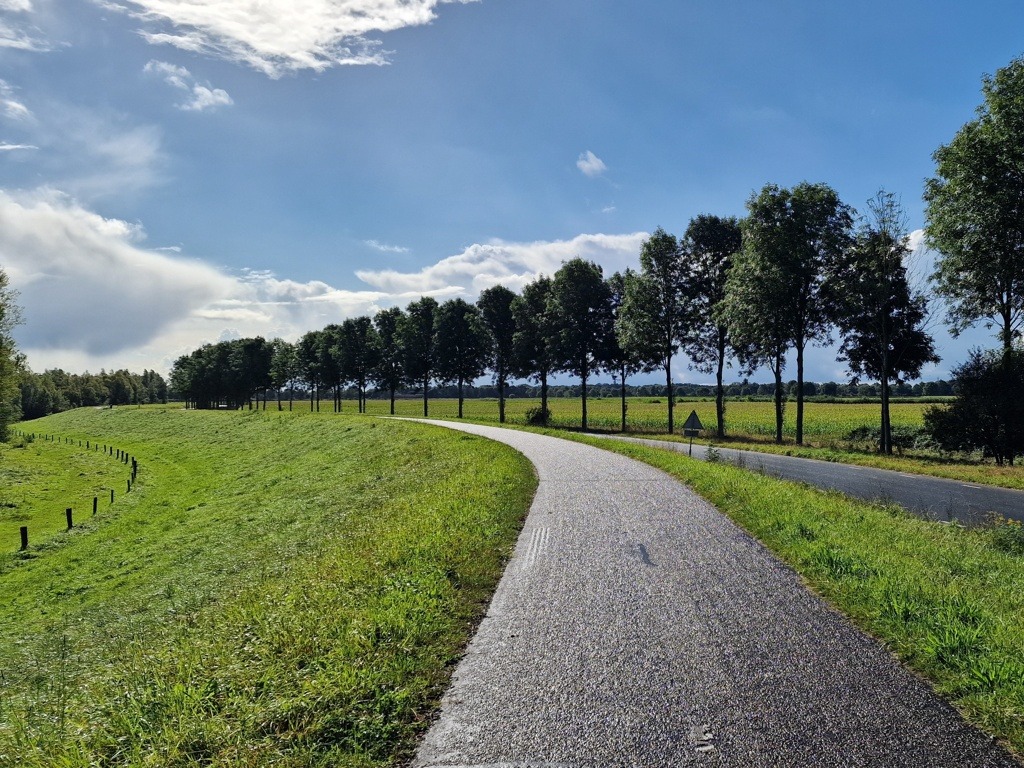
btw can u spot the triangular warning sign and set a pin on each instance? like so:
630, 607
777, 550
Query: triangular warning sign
693, 422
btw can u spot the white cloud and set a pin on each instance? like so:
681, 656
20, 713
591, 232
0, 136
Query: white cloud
590, 164
280, 36
7, 147
384, 247
15, 35
512, 264
202, 97
11, 108
94, 297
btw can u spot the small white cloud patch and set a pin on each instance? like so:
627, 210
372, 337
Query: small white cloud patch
591, 165
384, 247
203, 97
5, 147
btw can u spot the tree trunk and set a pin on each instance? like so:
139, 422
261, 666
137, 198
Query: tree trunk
392, 400
544, 396
501, 398
800, 394
426, 382
720, 387
622, 393
460, 397
777, 369
583, 392
668, 391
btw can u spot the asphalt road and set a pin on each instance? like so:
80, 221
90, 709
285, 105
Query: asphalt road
637, 626
934, 498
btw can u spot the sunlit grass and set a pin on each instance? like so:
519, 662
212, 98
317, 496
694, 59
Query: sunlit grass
276, 590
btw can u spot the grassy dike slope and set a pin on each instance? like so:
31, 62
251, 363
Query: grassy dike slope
277, 589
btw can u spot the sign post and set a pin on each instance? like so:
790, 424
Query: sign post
692, 428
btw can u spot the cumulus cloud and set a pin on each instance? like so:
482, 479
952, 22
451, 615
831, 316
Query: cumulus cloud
512, 264
85, 284
280, 36
94, 296
590, 164
201, 97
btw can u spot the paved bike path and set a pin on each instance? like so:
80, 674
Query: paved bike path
636, 625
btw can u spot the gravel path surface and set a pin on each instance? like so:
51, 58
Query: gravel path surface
933, 498
637, 626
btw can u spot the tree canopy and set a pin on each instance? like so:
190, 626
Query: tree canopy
975, 212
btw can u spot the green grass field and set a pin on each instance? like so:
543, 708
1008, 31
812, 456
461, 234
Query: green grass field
823, 422
276, 590
750, 425
292, 589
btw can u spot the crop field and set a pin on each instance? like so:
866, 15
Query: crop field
823, 422
276, 589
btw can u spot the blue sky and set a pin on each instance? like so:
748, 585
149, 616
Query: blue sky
180, 171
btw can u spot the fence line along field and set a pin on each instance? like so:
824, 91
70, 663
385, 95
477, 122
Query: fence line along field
823, 421
40, 480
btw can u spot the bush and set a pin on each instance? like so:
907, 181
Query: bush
538, 417
988, 412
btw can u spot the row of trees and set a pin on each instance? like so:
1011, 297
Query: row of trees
55, 390
750, 291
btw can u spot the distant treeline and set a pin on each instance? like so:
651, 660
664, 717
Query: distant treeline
54, 391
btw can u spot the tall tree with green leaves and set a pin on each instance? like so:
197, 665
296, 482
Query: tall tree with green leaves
358, 355
795, 235
416, 334
310, 364
11, 364
975, 212
622, 361
755, 310
533, 339
582, 318
495, 306
709, 246
654, 317
881, 320
461, 344
283, 369
331, 342
389, 372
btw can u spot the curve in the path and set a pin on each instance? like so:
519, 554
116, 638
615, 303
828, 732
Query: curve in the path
934, 498
637, 626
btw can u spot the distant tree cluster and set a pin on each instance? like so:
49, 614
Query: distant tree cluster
11, 363
54, 391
